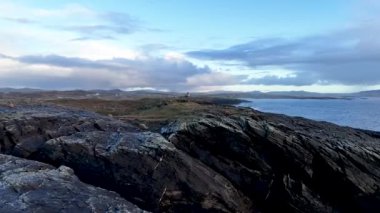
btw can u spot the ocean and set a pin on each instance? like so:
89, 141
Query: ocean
357, 113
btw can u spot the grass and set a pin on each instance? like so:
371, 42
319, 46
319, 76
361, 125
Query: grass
152, 112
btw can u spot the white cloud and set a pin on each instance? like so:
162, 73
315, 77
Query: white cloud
59, 72
349, 56
214, 79
80, 35
97, 50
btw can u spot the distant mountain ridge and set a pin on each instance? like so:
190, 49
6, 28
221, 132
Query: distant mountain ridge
153, 93
23, 90
296, 94
370, 93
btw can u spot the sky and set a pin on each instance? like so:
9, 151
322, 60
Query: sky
191, 45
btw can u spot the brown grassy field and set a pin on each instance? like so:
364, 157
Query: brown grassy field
149, 112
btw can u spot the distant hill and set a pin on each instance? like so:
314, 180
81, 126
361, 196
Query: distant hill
121, 94
295, 95
371, 93
114, 94
279, 95
21, 90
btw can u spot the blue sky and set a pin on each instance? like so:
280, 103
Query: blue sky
323, 46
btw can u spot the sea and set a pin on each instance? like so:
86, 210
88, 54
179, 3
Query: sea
363, 113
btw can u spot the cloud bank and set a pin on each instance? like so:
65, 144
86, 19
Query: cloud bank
60, 72
75, 46
349, 57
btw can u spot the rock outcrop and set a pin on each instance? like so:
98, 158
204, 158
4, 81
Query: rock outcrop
143, 167
225, 160
146, 169
286, 164
24, 129
30, 186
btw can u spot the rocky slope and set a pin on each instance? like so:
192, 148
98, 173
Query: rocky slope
222, 160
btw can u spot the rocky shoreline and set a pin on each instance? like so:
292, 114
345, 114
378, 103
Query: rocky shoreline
222, 160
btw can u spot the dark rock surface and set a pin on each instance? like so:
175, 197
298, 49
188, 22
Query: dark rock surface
30, 186
226, 160
287, 164
24, 129
146, 169
142, 166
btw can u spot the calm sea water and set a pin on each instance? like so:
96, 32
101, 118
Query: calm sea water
358, 113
